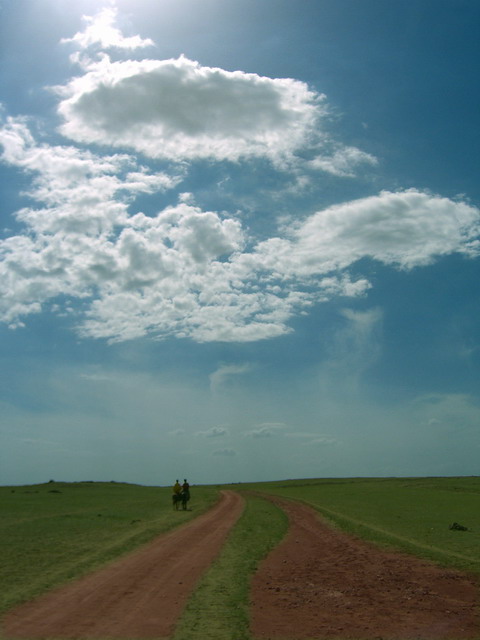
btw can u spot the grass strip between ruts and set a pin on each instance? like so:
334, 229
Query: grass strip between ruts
219, 607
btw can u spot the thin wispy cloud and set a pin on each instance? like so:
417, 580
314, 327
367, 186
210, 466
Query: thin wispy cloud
213, 432
229, 453
267, 430
324, 441
225, 373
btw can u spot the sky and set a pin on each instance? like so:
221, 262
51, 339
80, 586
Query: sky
239, 240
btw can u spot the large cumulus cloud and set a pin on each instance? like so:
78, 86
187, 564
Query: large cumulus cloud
179, 109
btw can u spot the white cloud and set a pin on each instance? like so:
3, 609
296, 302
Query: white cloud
224, 452
185, 271
450, 413
324, 441
355, 346
343, 161
178, 433
101, 31
405, 229
309, 438
191, 273
83, 192
180, 110
224, 373
213, 432
267, 430
359, 339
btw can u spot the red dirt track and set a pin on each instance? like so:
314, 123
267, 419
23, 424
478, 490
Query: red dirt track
318, 583
322, 583
139, 596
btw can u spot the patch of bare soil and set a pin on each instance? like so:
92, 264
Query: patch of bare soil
322, 583
139, 596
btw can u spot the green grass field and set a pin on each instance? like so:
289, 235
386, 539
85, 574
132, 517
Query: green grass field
55, 532
412, 514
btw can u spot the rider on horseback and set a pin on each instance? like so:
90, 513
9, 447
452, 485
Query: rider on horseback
181, 494
186, 489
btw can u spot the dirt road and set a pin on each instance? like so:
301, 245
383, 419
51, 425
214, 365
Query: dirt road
139, 596
322, 583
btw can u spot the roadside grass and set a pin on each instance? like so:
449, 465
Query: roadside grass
219, 607
411, 514
55, 532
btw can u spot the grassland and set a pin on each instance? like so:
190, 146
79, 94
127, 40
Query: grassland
53, 532
412, 514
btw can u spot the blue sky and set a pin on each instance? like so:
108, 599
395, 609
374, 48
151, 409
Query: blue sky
239, 240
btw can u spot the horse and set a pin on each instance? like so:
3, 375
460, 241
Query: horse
183, 497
